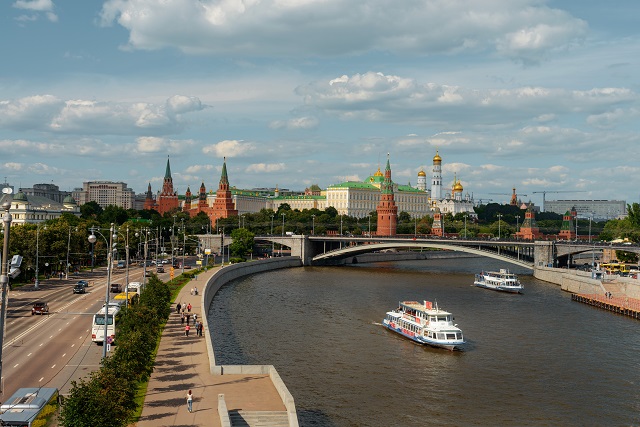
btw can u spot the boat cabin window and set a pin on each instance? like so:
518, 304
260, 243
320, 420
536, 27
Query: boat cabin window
451, 336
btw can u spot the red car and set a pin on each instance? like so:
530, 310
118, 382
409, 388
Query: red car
40, 308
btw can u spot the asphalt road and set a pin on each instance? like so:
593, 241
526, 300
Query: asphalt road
53, 350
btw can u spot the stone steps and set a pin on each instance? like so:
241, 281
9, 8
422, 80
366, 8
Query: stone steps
259, 418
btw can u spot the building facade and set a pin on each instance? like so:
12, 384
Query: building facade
598, 210
105, 193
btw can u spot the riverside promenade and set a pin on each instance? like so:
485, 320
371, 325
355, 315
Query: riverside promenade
183, 364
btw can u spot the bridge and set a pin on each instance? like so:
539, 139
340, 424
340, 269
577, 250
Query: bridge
336, 250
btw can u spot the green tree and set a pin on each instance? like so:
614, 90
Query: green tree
243, 241
90, 210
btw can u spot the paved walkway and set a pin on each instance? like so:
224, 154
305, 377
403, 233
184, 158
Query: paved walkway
182, 364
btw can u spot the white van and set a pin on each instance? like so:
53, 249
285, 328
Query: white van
134, 287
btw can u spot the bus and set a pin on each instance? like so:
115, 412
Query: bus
97, 329
616, 268
30, 407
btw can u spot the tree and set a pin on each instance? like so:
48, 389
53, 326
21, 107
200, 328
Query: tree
243, 241
90, 210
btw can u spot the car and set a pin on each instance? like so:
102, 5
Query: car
148, 273
160, 269
83, 283
116, 288
40, 307
79, 289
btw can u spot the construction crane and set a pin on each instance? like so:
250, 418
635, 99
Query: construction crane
514, 196
544, 193
484, 200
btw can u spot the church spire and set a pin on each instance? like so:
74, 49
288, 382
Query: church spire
167, 173
223, 177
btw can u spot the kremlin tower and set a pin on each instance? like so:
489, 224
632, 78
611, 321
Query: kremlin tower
529, 229
422, 180
436, 180
387, 209
223, 206
167, 200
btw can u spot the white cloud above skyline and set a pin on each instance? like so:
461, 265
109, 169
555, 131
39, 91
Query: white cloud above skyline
528, 93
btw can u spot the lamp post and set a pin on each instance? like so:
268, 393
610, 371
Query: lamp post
92, 238
37, 282
415, 227
144, 260
4, 277
369, 225
499, 220
183, 243
283, 214
172, 240
465, 225
68, 248
313, 224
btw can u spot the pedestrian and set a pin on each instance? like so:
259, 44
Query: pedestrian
189, 307
201, 326
195, 290
182, 318
179, 307
188, 318
191, 291
186, 330
190, 401
195, 317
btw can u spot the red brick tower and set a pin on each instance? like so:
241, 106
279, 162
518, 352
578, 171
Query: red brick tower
567, 230
436, 228
223, 206
387, 209
529, 230
202, 198
149, 203
186, 207
168, 198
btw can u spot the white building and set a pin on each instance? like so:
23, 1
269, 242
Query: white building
105, 193
36, 209
595, 209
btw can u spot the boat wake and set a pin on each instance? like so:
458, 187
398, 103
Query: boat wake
377, 324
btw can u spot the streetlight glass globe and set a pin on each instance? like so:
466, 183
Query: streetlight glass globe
92, 238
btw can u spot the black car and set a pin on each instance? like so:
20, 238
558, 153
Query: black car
79, 289
116, 288
83, 283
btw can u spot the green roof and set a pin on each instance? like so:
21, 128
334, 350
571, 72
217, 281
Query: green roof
354, 184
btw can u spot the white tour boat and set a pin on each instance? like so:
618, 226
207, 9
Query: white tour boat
425, 324
499, 281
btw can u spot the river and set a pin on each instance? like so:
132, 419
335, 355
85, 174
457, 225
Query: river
536, 359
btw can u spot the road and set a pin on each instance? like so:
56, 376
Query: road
53, 350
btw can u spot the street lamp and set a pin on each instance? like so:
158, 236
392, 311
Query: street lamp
313, 224
92, 239
37, 282
283, 224
172, 240
369, 225
499, 220
465, 225
272, 242
183, 243
4, 277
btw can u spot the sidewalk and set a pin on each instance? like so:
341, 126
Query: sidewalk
182, 364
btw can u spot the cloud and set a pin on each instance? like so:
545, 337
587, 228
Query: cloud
523, 30
45, 6
152, 144
265, 167
49, 113
297, 123
376, 97
230, 148
198, 168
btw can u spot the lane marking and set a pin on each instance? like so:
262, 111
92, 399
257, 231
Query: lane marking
41, 379
53, 366
16, 365
64, 355
29, 354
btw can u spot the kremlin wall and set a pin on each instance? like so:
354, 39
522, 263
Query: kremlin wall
377, 192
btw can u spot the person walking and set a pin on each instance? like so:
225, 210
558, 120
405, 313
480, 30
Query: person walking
195, 317
190, 401
182, 318
186, 330
188, 318
178, 307
189, 307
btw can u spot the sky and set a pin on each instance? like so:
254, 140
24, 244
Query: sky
532, 94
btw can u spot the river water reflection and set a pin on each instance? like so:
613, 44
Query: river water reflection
536, 359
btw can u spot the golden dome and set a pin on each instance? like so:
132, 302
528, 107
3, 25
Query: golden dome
458, 187
378, 173
422, 173
437, 158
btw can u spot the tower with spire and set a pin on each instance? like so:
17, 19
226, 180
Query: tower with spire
387, 209
436, 179
168, 198
223, 206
